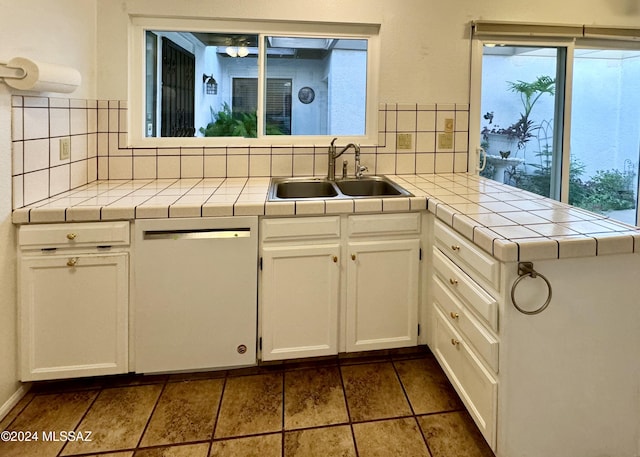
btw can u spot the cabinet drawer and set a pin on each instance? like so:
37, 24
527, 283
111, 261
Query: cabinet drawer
485, 344
466, 254
477, 388
74, 235
385, 224
300, 228
457, 281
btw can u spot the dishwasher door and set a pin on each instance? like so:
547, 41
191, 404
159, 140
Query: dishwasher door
195, 293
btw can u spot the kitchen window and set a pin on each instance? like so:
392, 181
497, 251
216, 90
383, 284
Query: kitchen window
557, 111
251, 82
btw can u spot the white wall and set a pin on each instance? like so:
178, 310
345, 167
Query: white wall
61, 32
424, 43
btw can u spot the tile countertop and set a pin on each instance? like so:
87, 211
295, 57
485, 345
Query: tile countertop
506, 222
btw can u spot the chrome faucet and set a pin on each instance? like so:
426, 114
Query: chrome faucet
333, 155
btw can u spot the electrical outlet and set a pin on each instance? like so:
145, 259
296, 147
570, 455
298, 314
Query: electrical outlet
404, 140
445, 141
448, 125
65, 148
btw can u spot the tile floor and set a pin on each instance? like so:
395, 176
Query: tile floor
391, 403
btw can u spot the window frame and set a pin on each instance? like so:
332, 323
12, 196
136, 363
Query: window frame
588, 38
561, 192
139, 25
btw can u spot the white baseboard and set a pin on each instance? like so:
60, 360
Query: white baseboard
14, 399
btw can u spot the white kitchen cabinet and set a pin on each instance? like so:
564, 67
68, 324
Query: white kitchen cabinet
299, 287
300, 298
382, 294
562, 382
73, 300
464, 319
315, 301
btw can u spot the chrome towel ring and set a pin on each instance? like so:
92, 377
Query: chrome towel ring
525, 269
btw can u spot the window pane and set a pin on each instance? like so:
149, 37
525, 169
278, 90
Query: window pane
518, 112
193, 93
605, 132
327, 88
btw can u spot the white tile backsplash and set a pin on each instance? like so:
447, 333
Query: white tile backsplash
97, 129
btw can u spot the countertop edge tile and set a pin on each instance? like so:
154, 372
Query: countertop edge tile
430, 192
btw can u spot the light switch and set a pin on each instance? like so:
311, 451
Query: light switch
65, 148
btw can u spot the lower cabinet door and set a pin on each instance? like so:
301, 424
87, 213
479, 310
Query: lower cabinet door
477, 388
382, 294
73, 315
299, 301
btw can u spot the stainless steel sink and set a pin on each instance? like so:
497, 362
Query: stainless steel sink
322, 188
372, 186
305, 189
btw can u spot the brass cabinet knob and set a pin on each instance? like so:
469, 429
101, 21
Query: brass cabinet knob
454, 342
453, 281
455, 247
353, 257
71, 236
335, 259
72, 262
454, 315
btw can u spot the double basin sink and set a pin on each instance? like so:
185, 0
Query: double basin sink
323, 188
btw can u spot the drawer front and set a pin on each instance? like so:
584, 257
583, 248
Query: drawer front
457, 281
74, 235
485, 344
384, 224
300, 228
477, 388
466, 254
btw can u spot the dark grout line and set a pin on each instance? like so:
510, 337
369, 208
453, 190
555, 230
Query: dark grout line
413, 412
346, 403
282, 441
155, 406
215, 421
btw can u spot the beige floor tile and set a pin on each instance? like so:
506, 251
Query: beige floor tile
313, 398
454, 434
395, 437
116, 419
185, 412
190, 450
254, 446
374, 392
427, 386
46, 414
320, 442
251, 405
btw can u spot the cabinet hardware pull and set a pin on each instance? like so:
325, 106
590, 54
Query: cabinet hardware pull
72, 262
335, 259
455, 247
454, 342
71, 236
353, 257
453, 281
454, 315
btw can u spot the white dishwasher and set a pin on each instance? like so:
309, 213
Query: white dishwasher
195, 293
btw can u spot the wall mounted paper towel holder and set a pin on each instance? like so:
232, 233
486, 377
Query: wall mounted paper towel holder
26, 74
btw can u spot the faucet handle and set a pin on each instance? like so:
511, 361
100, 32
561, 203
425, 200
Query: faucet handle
360, 169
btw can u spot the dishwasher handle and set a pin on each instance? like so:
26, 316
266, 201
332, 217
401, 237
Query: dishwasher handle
200, 234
